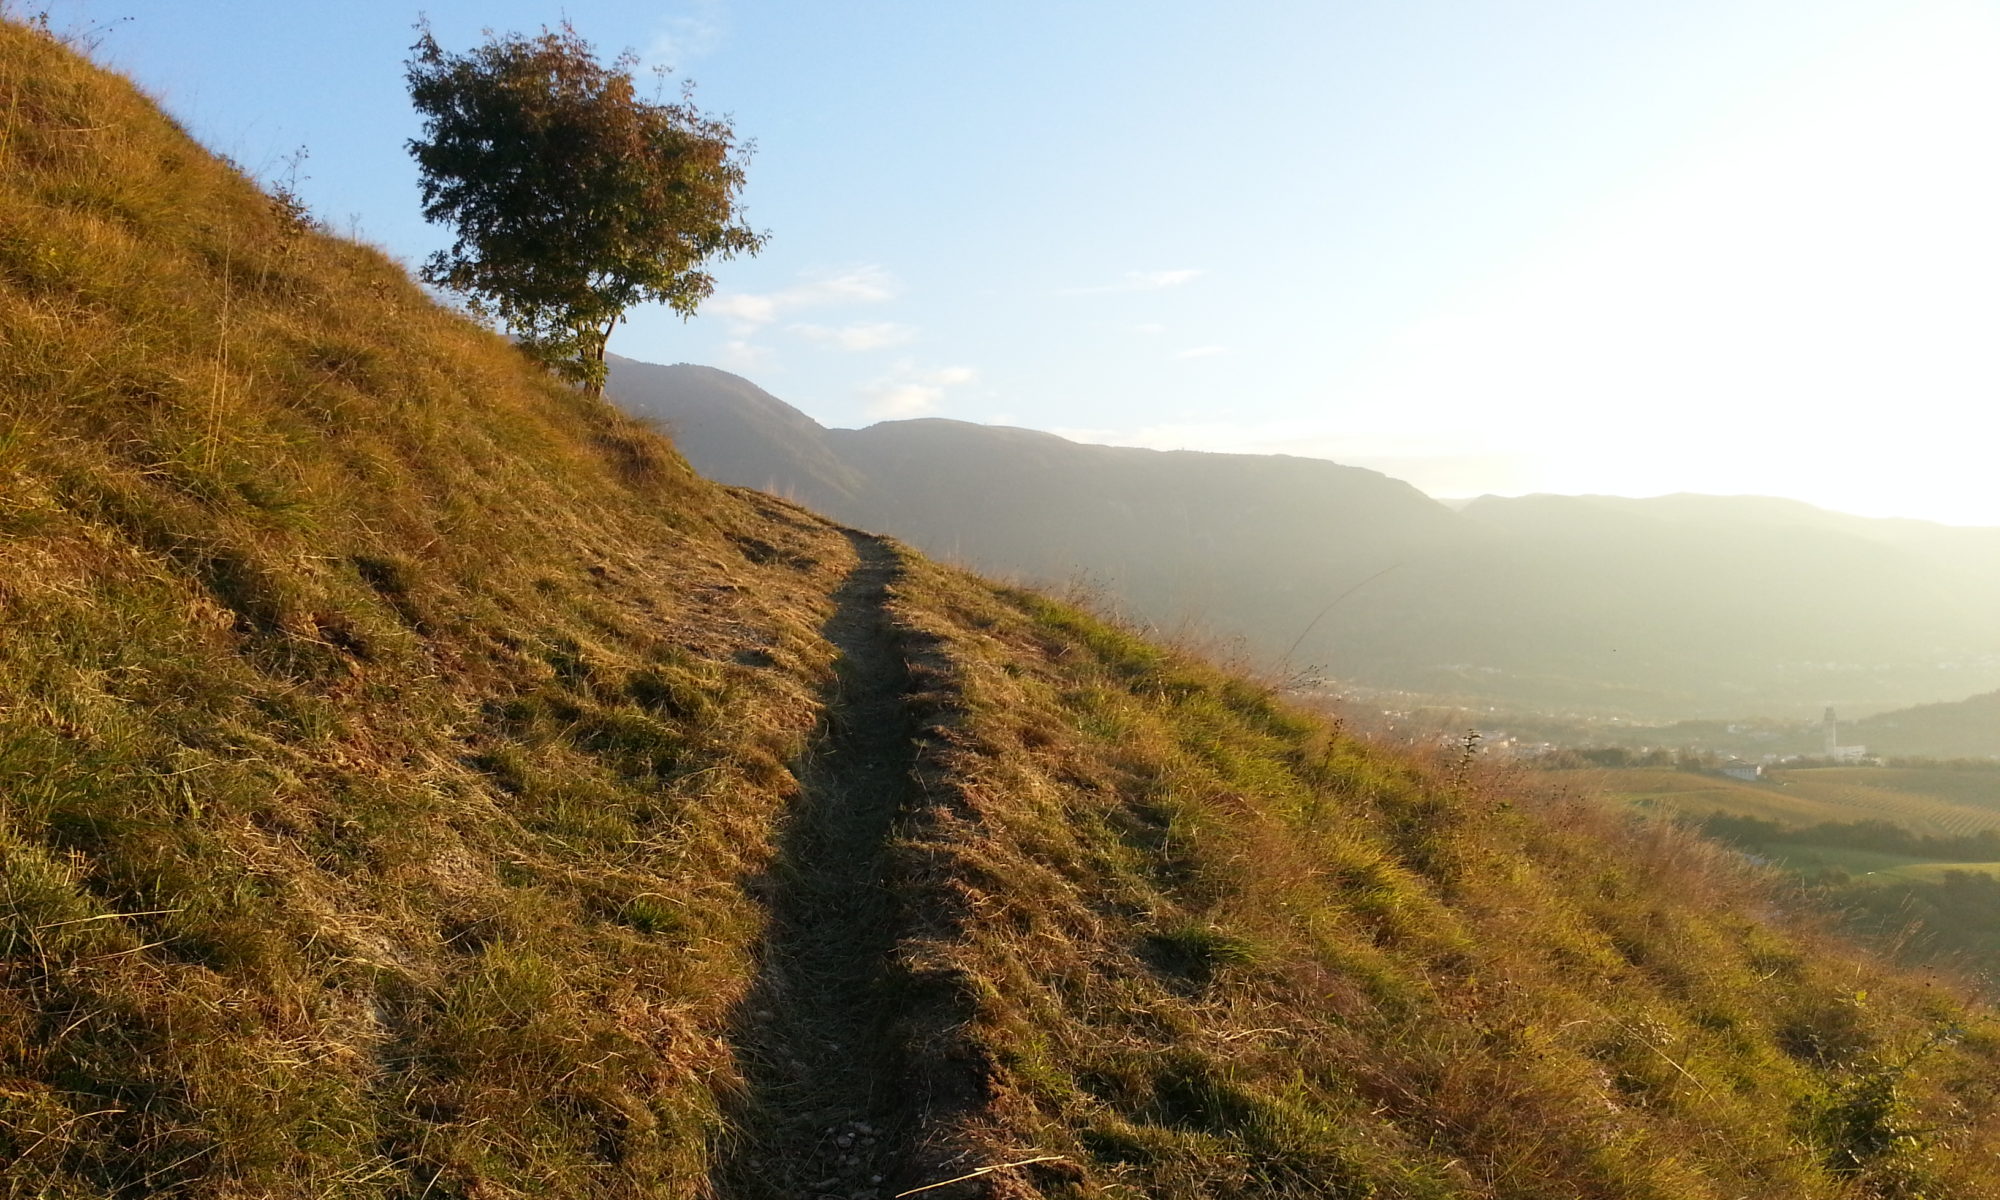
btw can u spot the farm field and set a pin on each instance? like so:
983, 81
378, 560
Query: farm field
1935, 801
1934, 872
1808, 856
1870, 864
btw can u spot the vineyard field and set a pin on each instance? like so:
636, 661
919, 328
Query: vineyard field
1935, 801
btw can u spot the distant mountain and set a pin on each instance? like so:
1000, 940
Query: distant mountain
1959, 729
1973, 553
738, 433
1668, 608
1780, 597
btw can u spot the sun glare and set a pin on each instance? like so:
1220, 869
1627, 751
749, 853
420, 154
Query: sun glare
1802, 304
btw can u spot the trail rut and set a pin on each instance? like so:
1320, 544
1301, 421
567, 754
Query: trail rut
825, 1114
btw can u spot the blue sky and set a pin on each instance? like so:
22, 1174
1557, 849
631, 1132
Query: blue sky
1541, 245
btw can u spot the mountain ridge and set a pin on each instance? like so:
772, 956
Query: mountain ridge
1666, 608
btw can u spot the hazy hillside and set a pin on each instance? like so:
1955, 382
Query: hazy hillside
1820, 593
1966, 728
1670, 608
1975, 551
745, 436
416, 782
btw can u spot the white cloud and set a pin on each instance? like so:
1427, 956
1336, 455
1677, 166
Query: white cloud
1201, 352
1154, 281
1140, 281
745, 308
748, 311
909, 391
742, 355
894, 402
692, 35
876, 335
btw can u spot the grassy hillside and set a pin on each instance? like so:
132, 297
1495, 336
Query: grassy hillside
1969, 727
1206, 947
414, 782
388, 737
1903, 856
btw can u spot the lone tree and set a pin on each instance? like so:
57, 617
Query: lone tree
574, 198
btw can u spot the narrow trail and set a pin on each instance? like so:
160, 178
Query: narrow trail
826, 1115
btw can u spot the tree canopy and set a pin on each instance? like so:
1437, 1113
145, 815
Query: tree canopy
573, 196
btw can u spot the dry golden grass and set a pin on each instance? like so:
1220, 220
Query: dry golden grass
387, 735
1203, 945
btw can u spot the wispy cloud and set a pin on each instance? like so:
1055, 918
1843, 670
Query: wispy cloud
895, 402
910, 391
1201, 352
1140, 281
743, 355
749, 311
876, 335
683, 38
1156, 281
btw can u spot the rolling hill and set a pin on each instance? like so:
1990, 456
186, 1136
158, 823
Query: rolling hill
1963, 729
1665, 609
415, 781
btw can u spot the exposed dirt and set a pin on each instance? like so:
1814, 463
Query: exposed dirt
826, 1115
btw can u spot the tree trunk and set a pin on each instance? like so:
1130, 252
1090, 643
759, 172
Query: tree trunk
594, 357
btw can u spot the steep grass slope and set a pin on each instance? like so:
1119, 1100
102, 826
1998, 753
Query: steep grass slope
414, 782
390, 740
1205, 946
